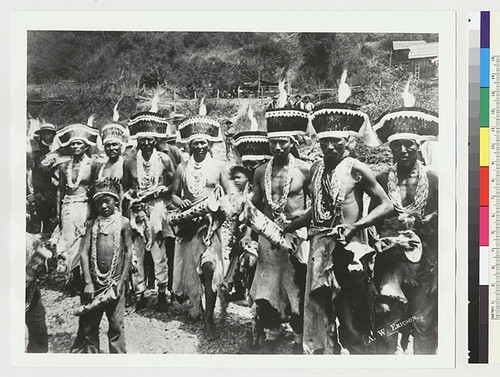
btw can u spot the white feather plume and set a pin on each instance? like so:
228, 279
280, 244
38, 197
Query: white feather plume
155, 100
344, 89
408, 98
116, 114
203, 107
283, 95
90, 121
254, 126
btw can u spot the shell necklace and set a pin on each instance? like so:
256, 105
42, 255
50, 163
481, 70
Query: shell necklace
329, 190
279, 206
102, 225
69, 172
148, 172
421, 191
196, 175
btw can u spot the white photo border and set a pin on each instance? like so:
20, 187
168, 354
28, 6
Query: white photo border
441, 22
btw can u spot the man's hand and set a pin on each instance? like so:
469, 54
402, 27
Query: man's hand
88, 292
186, 203
343, 232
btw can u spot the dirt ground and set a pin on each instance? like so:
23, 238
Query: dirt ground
150, 332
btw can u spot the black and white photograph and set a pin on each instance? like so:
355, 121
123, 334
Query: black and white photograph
257, 191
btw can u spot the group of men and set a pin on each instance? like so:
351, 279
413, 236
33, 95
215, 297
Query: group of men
342, 284
363, 275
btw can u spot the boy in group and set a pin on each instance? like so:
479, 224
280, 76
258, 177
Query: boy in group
106, 255
252, 150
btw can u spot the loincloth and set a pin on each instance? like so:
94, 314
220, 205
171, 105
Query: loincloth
276, 279
75, 211
332, 268
190, 255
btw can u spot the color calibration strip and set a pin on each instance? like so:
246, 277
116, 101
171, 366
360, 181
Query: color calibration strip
492, 75
484, 163
479, 161
476, 336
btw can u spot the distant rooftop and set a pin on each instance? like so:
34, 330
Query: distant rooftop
428, 50
405, 45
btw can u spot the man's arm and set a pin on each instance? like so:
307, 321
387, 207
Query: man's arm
168, 170
177, 188
257, 194
127, 176
61, 191
127, 253
88, 293
224, 180
383, 205
306, 171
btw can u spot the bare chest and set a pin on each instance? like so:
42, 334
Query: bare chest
78, 177
112, 170
407, 189
284, 182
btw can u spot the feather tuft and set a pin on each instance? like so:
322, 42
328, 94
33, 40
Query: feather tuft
344, 89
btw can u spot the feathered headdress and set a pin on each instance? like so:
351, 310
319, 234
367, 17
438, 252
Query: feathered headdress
148, 123
86, 133
200, 126
408, 122
343, 119
253, 144
114, 132
107, 186
284, 120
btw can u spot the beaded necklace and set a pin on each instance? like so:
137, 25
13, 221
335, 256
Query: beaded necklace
105, 279
334, 186
69, 172
421, 192
279, 206
196, 175
148, 172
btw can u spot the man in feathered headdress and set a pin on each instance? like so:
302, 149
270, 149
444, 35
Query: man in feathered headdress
338, 274
113, 136
406, 270
280, 191
197, 182
75, 179
106, 255
147, 177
